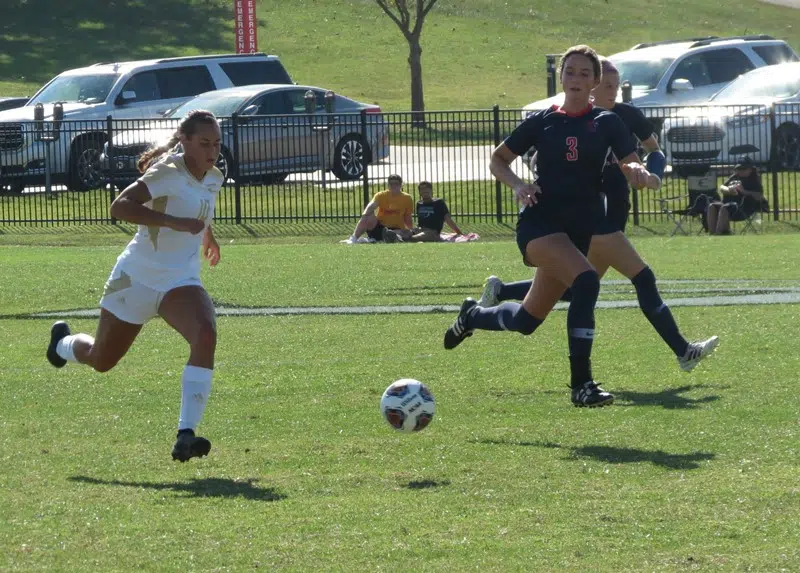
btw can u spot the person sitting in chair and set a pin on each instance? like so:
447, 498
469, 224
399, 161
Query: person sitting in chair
742, 196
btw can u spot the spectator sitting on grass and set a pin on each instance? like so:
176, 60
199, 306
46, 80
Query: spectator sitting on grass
387, 217
432, 214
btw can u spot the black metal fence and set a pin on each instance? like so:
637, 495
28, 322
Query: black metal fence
314, 167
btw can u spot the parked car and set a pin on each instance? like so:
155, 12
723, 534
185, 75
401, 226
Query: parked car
12, 102
123, 90
276, 136
686, 72
738, 123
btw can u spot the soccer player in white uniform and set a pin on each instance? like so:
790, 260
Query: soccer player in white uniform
158, 273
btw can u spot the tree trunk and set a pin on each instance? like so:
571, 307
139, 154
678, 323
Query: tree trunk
417, 99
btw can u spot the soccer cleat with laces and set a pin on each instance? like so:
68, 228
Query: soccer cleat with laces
58, 331
189, 446
456, 334
590, 395
491, 292
696, 352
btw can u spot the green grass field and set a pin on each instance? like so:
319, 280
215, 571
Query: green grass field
477, 53
685, 472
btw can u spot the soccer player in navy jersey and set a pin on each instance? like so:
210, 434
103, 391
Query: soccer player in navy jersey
560, 212
610, 247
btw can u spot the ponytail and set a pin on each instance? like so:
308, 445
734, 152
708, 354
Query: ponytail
154, 153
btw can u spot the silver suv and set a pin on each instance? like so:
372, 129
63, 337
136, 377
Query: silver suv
687, 72
124, 90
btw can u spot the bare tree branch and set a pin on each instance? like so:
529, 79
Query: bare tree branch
385, 7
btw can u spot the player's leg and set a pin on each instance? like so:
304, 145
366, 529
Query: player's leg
524, 318
111, 342
190, 311
561, 257
617, 251
425, 236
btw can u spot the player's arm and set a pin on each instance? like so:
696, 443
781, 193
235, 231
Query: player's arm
130, 206
452, 224
624, 149
210, 247
521, 140
408, 221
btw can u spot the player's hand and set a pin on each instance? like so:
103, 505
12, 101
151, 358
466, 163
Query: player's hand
527, 194
639, 177
188, 225
210, 249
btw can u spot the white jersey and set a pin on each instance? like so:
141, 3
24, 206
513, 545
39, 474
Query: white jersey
160, 257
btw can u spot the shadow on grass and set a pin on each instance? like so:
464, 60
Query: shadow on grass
426, 484
669, 399
41, 38
205, 487
615, 455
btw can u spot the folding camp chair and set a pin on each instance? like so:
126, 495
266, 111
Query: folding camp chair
753, 222
696, 204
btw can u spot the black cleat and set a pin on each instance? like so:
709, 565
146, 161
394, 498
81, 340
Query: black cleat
590, 395
456, 334
189, 446
58, 331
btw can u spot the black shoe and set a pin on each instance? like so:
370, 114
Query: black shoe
456, 334
591, 395
189, 446
58, 331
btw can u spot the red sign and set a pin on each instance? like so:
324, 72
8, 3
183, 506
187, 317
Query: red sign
246, 26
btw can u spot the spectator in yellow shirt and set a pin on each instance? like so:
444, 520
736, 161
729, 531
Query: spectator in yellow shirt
387, 217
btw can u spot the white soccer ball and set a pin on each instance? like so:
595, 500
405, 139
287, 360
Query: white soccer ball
407, 405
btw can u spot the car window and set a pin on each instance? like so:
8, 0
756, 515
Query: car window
184, 82
694, 69
776, 54
727, 65
272, 103
145, 85
250, 73
297, 101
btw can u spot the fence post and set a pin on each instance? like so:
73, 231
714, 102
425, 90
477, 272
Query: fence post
110, 160
365, 182
234, 169
498, 186
635, 205
774, 164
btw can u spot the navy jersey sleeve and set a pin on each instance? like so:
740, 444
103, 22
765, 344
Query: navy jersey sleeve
525, 135
445, 210
639, 124
620, 140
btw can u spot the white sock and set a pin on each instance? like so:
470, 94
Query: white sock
195, 388
64, 348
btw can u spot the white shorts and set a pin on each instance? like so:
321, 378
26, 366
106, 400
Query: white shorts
132, 301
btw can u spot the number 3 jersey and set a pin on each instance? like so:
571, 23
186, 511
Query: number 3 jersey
572, 151
159, 257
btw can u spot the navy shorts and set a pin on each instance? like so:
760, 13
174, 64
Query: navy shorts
537, 222
616, 218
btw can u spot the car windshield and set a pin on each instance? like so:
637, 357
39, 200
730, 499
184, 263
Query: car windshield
219, 105
77, 89
642, 74
767, 83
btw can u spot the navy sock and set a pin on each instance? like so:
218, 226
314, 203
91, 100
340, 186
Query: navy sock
514, 291
580, 326
567, 296
505, 316
657, 312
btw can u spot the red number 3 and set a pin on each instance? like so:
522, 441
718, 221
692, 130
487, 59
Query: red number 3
572, 143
